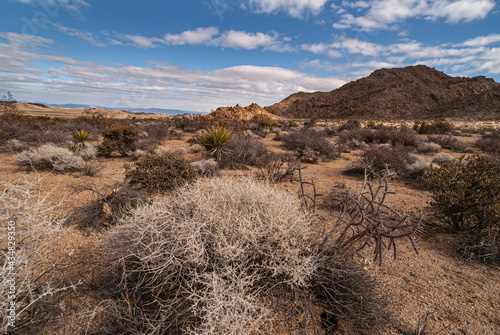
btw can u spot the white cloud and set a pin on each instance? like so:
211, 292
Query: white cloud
481, 40
158, 84
85, 35
361, 57
31, 40
142, 41
74, 6
295, 8
197, 36
244, 40
383, 14
210, 36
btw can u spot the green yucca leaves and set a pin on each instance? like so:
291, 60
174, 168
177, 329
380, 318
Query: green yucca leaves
216, 141
79, 137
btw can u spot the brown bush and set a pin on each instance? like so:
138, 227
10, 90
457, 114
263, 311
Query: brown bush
490, 143
378, 157
118, 138
311, 144
448, 142
160, 172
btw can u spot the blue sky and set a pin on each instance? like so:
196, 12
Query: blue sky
199, 55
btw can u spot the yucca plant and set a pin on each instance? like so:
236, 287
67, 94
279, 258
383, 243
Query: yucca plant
80, 137
216, 141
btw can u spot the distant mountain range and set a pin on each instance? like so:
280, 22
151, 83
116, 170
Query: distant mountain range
413, 92
172, 112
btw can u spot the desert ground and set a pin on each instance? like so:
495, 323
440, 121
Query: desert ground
437, 291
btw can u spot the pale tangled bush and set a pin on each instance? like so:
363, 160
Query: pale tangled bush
211, 251
138, 153
418, 167
429, 147
88, 152
34, 227
161, 150
443, 158
195, 148
14, 145
48, 156
206, 167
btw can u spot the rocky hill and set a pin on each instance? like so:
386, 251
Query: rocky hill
413, 92
241, 113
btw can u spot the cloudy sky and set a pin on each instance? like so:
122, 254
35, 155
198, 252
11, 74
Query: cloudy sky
197, 55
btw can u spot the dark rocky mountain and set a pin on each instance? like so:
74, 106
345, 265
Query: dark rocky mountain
413, 92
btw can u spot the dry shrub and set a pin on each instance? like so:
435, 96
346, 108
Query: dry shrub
443, 158
42, 277
436, 127
311, 145
87, 153
349, 125
428, 147
244, 149
231, 256
466, 193
160, 172
48, 156
490, 143
105, 208
14, 145
275, 167
59, 137
448, 142
406, 137
206, 167
419, 166
118, 138
378, 157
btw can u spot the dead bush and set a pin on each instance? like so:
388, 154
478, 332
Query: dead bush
206, 167
48, 156
38, 277
232, 256
14, 145
490, 143
428, 147
311, 145
105, 208
275, 167
244, 149
406, 137
378, 157
448, 142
